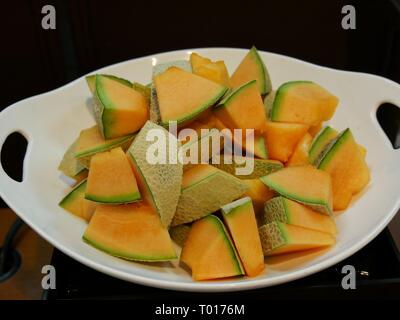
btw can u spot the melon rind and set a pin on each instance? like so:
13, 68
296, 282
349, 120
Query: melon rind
320, 142
272, 236
91, 81
69, 165
179, 234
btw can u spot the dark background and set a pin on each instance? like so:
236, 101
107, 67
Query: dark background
92, 34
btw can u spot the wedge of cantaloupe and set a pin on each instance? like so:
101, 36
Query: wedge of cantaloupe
214, 71
300, 155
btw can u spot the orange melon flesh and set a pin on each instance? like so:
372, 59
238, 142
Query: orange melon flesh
282, 138
299, 156
241, 222
259, 194
278, 238
183, 96
315, 129
209, 252
291, 212
197, 174
119, 110
303, 102
132, 232
111, 179
243, 108
347, 167
304, 184
214, 71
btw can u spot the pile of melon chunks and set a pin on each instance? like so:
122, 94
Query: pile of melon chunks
226, 223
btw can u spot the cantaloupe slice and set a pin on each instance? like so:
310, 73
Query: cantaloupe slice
182, 95
179, 233
259, 194
90, 142
91, 81
279, 238
241, 222
250, 68
159, 183
204, 190
304, 184
119, 110
288, 211
243, 108
262, 167
282, 138
70, 166
132, 232
111, 179
214, 71
299, 156
345, 163
144, 90
303, 102
75, 202
320, 142
209, 251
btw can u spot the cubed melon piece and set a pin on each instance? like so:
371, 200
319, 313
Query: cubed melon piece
243, 108
209, 251
303, 102
288, 211
204, 190
320, 142
241, 222
282, 138
278, 238
132, 232
111, 179
91, 81
344, 161
119, 110
179, 233
259, 194
90, 142
299, 156
71, 166
214, 71
252, 67
75, 202
304, 184
160, 182
183, 96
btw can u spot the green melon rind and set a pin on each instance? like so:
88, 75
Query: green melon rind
329, 153
120, 199
279, 96
144, 90
262, 147
77, 191
266, 86
233, 94
163, 181
275, 209
236, 206
179, 234
128, 256
268, 103
315, 204
228, 241
262, 167
91, 81
324, 137
273, 236
207, 196
69, 165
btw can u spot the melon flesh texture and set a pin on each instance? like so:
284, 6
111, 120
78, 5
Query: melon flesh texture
75, 202
90, 142
299, 156
259, 194
243, 108
291, 212
282, 138
132, 232
119, 110
183, 96
347, 167
303, 102
214, 71
159, 184
252, 68
242, 224
111, 179
278, 238
304, 184
209, 251
204, 190
320, 142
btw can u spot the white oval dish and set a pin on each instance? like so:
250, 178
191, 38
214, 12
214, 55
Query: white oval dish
51, 121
